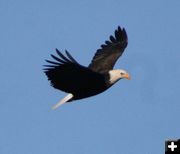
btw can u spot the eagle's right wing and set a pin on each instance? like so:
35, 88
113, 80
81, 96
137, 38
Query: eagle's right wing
66, 73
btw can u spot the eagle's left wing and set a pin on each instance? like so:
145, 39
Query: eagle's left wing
106, 57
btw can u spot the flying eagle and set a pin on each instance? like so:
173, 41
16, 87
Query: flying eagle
67, 75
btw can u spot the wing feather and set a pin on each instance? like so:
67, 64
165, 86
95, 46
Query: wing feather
70, 57
52, 62
112, 39
57, 59
62, 56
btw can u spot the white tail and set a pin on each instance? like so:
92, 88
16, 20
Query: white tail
64, 100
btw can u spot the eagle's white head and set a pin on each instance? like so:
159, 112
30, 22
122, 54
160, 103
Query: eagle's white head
115, 75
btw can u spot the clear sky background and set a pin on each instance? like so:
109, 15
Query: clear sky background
133, 117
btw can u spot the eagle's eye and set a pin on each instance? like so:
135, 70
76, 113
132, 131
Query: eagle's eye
122, 73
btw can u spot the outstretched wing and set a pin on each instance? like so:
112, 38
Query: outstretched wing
106, 57
65, 73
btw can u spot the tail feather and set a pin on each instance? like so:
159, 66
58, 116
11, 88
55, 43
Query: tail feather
64, 100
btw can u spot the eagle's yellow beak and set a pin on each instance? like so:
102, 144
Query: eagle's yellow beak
127, 76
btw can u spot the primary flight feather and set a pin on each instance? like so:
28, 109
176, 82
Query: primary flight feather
66, 74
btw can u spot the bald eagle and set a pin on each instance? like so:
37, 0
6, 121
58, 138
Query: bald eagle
67, 75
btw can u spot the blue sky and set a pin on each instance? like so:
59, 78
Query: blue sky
134, 116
